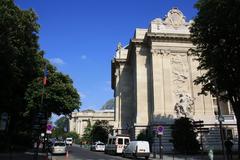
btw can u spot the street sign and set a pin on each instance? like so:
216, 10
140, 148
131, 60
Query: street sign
3, 121
221, 118
198, 124
4, 116
160, 130
203, 130
49, 129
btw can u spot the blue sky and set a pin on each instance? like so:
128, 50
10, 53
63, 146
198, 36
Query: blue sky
80, 37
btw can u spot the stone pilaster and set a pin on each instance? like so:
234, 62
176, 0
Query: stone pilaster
142, 104
157, 80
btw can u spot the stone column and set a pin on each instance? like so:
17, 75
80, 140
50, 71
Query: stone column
117, 98
157, 82
81, 128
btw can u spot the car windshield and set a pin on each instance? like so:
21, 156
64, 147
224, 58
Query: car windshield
59, 144
100, 143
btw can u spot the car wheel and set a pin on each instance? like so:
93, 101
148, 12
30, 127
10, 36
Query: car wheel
147, 157
134, 156
123, 155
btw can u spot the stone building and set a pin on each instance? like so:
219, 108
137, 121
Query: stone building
79, 120
153, 76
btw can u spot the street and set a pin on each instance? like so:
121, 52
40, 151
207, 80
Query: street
78, 153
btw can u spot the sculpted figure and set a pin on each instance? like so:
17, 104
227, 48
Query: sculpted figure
184, 106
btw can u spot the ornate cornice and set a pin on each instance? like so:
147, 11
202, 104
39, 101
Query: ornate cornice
169, 37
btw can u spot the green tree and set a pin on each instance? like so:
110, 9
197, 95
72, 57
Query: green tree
21, 70
100, 131
21, 62
87, 136
184, 137
60, 127
60, 97
216, 35
73, 135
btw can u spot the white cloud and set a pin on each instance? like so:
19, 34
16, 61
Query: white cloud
82, 95
83, 57
57, 61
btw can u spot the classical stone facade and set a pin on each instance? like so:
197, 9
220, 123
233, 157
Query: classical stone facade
79, 120
152, 77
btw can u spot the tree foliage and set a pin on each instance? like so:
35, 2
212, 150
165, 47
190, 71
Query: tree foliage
100, 131
21, 71
87, 136
60, 97
97, 132
184, 137
73, 135
216, 35
60, 128
21, 62
20, 56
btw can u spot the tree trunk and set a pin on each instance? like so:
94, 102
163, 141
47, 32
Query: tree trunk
238, 129
236, 108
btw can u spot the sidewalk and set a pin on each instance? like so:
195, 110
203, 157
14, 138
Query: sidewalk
189, 157
28, 155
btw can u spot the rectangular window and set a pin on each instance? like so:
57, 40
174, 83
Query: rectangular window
126, 141
110, 141
120, 141
227, 133
113, 141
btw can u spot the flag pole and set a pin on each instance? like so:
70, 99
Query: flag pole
35, 157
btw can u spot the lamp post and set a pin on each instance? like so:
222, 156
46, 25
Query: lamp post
220, 120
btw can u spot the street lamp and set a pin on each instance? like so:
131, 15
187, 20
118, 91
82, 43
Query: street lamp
220, 120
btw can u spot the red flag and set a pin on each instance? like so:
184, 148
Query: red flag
45, 76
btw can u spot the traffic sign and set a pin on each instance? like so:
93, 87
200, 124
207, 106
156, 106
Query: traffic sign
49, 129
221, 118
160, 130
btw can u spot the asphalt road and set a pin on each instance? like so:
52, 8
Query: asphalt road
78, 153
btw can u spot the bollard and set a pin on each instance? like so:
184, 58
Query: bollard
210, 154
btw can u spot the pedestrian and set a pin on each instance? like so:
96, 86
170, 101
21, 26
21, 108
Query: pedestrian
210, 154
228, 144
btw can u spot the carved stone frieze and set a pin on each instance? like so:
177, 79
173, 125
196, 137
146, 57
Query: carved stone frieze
180, 73
162, 52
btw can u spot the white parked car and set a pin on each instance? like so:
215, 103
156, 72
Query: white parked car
98, 146
69, 141
137, 149
59, 147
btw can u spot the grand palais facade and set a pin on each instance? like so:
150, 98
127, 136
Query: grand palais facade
154, 73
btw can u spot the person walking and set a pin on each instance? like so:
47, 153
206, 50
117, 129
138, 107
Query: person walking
228, 144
